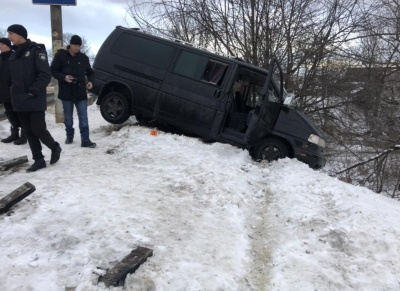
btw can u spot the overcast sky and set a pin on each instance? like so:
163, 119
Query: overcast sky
93, 19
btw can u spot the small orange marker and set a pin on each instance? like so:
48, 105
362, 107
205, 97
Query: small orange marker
153, 132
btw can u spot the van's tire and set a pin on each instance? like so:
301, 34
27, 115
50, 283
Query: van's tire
115, 108
270, 149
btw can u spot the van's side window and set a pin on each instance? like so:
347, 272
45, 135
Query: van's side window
200, 68
255, 93
214, 72
190, 65
143, 50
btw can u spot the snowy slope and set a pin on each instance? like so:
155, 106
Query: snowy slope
215, 219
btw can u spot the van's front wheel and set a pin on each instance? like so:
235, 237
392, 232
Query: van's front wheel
115, 108
270, 149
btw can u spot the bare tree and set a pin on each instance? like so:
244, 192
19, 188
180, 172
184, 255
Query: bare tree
340, 57
3, 32
374, 101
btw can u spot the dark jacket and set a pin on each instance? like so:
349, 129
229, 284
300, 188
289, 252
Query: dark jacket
77, 66
5, 77
30, 73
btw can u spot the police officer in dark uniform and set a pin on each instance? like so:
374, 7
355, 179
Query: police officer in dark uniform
30, 73
5, 97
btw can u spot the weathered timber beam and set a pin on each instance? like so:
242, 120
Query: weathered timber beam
128, 265
15, 196
14, 162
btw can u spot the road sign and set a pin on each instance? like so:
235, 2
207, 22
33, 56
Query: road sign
55, 2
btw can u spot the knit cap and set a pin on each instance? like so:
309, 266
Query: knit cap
18, 29
75, 39
5, 41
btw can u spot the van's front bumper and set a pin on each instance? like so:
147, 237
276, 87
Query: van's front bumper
314, 159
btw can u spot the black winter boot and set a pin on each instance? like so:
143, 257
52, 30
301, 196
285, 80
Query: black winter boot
55, 154
14, 136
88, 144
22, 138
37, 165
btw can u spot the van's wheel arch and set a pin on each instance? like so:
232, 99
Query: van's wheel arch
271, 149
115, 108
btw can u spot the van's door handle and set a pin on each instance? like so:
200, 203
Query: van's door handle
217, 93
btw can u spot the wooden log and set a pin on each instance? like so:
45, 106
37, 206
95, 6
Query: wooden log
116, 275
14, 197
14, 162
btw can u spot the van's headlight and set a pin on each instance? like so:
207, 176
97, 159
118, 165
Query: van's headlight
316, 140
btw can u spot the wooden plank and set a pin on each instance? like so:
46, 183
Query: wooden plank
14, 197
116, 275
14, 162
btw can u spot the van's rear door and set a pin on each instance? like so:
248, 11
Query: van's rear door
266, 112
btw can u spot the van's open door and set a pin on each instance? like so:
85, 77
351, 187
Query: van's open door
267, 109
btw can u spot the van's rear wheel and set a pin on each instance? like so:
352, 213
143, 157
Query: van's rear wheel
115, 108
270, 149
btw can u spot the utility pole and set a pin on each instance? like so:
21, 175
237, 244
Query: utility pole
57, 43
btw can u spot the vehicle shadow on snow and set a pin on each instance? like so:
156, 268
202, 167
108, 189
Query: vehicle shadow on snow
152, 124
171, 129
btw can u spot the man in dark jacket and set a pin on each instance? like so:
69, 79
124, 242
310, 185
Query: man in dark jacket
71, 67
5, 97
30, 73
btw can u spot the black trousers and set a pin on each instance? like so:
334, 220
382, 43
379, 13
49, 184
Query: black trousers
34, 125
11, 115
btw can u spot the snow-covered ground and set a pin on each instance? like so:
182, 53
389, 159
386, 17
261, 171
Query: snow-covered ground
215, 219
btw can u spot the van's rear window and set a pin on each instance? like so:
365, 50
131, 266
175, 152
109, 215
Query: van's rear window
143, 50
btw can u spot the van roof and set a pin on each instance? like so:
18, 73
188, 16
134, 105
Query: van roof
192, 46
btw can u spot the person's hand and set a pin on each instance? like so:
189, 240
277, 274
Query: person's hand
89, 85
32, 92
69, 78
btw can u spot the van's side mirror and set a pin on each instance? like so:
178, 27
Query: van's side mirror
290, 100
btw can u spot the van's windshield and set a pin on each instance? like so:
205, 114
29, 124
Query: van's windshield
277, 85
288, 99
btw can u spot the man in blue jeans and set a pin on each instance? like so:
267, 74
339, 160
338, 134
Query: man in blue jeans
72, 69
